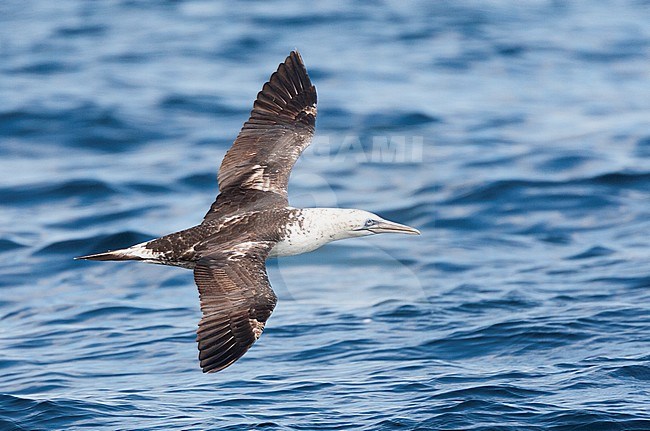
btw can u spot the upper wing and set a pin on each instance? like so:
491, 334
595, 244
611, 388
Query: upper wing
236, 300
280, 127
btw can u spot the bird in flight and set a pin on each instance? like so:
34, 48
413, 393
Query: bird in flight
251, 220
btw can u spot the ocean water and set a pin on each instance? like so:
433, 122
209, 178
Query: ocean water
515, 136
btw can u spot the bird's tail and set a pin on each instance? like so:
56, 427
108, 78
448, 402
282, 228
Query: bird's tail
109, 255
136, 252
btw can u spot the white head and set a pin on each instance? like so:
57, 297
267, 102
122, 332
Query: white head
340, 223
364, 223
315, 227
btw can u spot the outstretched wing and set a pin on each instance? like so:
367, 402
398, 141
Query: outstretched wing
280, 127
236, 300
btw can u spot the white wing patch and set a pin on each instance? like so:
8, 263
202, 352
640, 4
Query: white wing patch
258, 180
237, 218
310, 110
258, 327
240, 250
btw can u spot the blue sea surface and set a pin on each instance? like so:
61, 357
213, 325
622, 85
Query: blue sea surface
514, 135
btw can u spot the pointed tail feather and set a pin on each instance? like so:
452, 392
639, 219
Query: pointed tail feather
135, 252
122, 254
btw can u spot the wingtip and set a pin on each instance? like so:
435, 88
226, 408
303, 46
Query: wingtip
211, 368
295, 56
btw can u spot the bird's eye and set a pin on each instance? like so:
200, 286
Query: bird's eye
369, 222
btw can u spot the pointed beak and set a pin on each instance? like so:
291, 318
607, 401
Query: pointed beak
385, 226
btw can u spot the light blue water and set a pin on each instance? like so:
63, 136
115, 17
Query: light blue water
515, 136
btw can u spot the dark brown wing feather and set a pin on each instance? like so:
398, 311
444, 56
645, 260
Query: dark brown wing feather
280, 127
236, 300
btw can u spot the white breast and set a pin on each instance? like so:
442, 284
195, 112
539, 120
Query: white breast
297, 242
293, 247
308, 230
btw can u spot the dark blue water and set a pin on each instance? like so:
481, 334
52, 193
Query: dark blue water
515, 136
